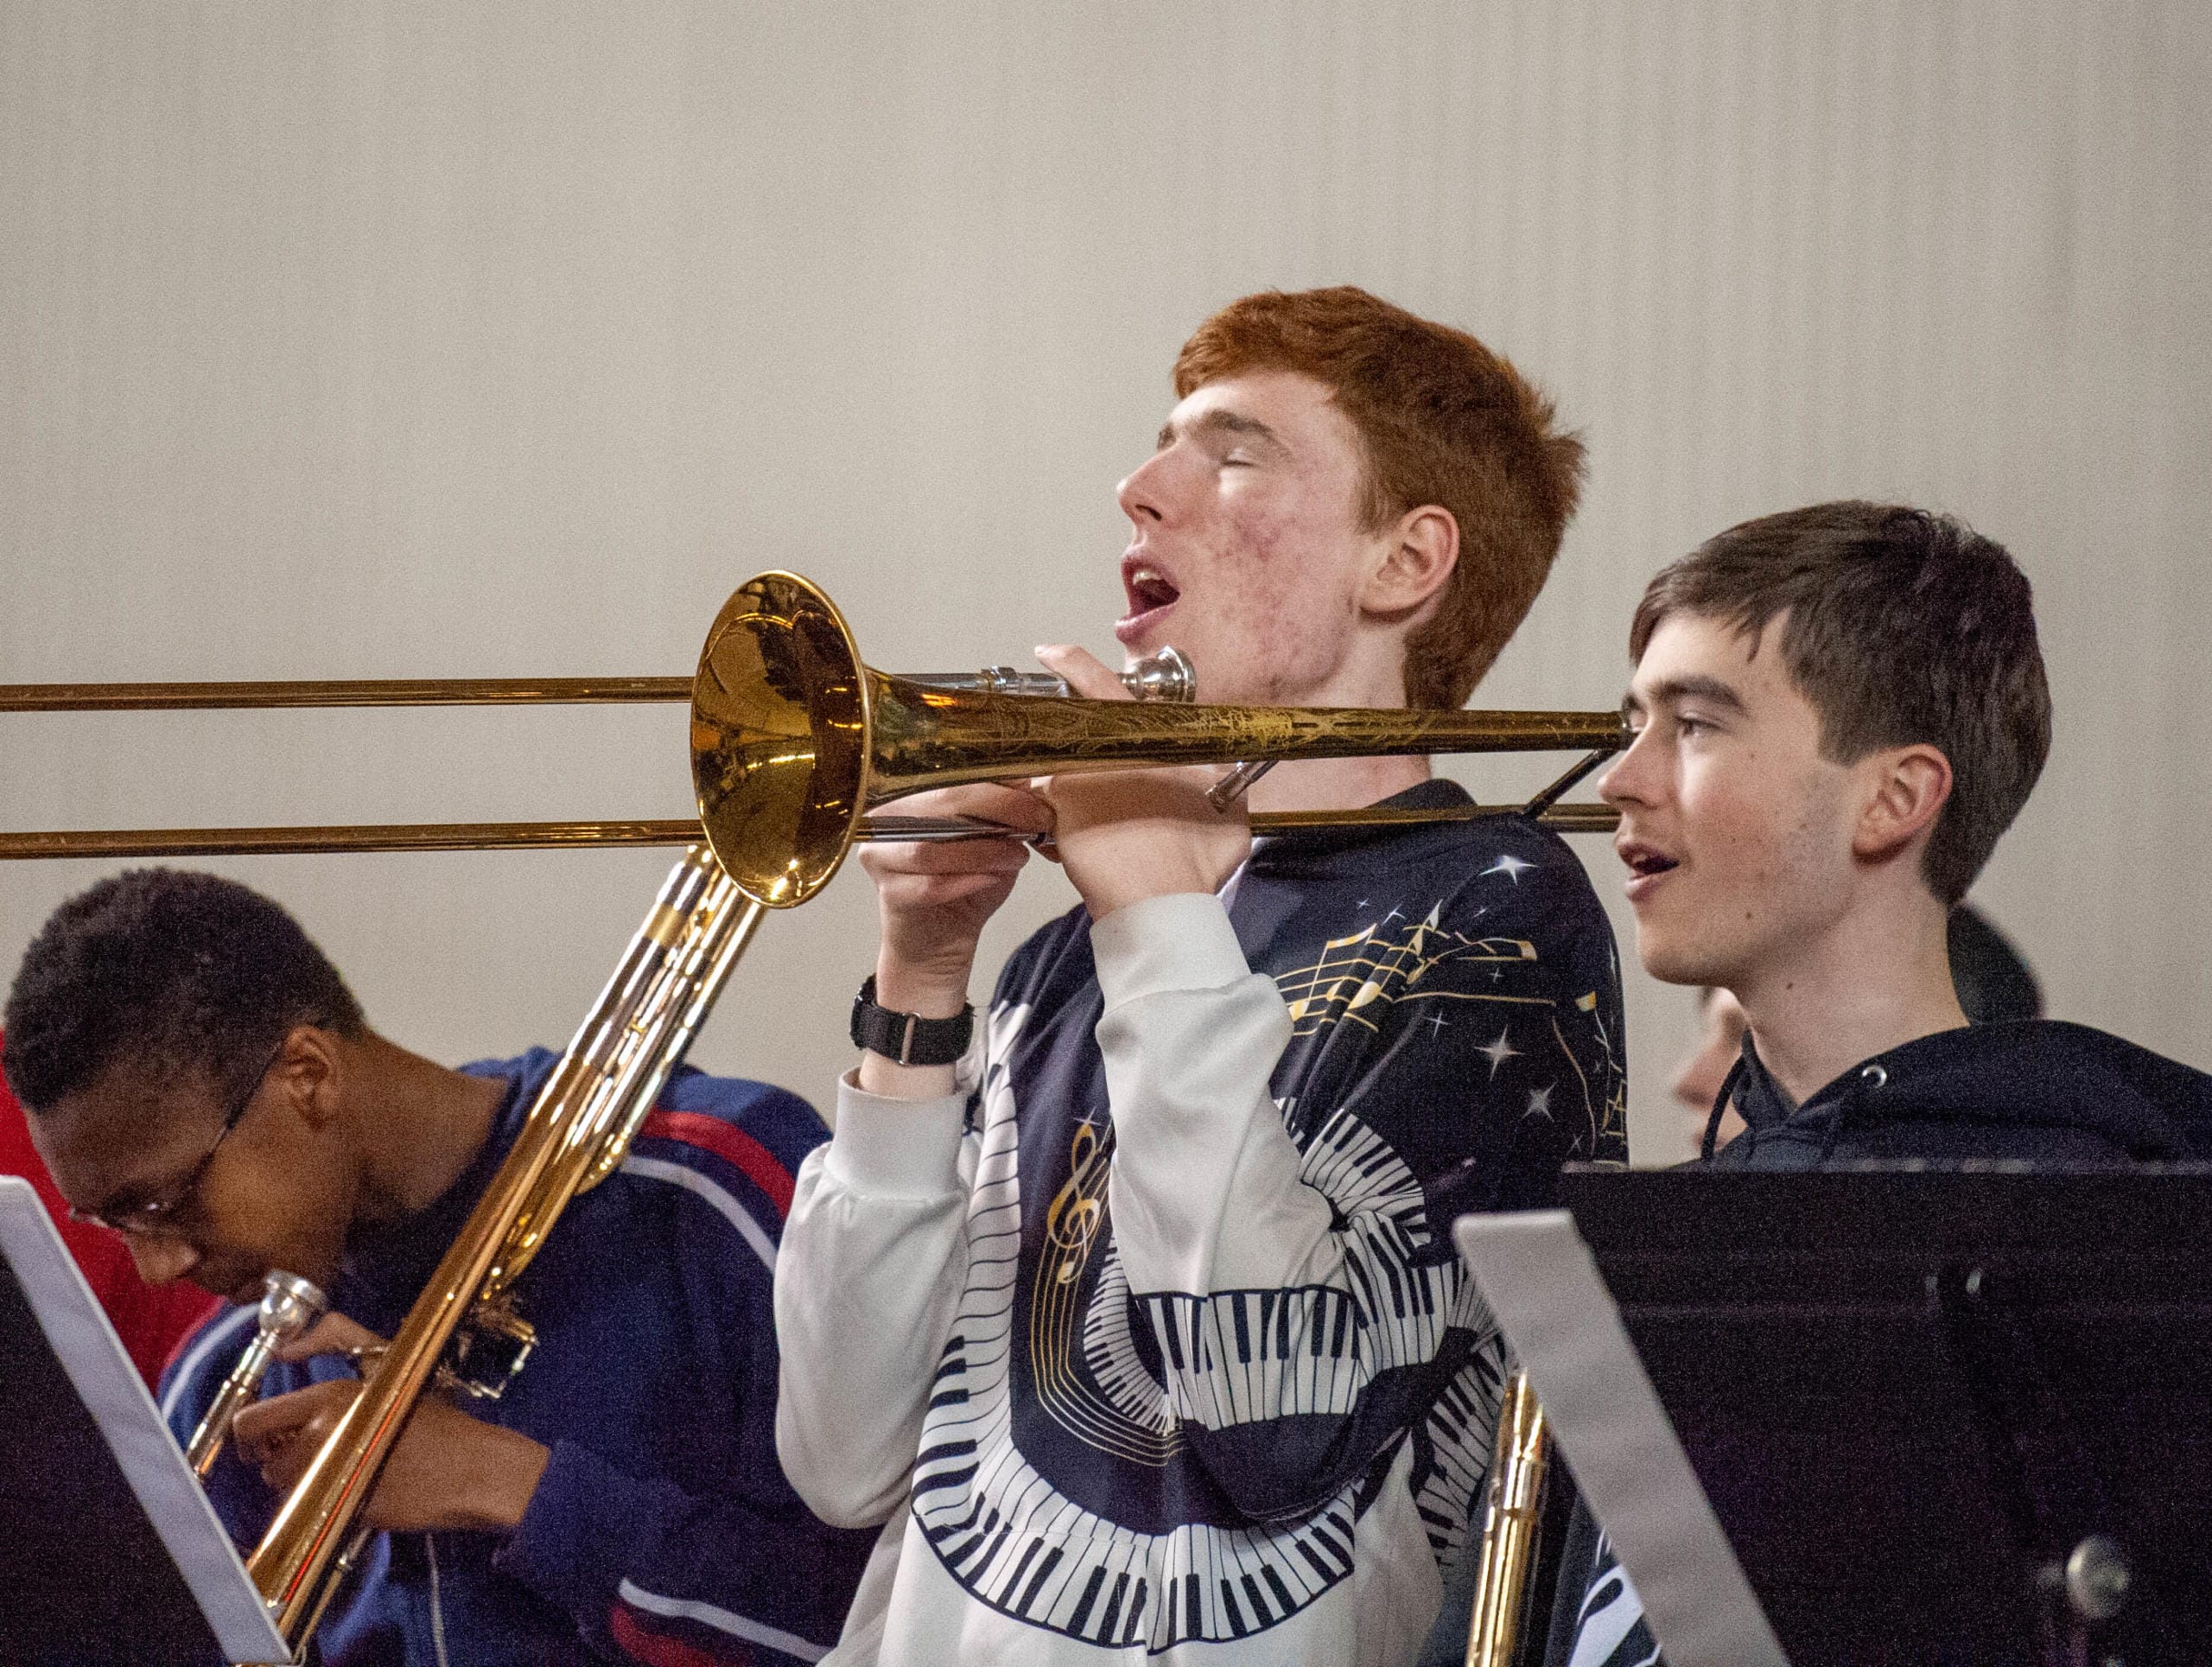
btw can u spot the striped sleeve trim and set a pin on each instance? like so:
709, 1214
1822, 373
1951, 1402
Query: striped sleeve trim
219, 1340
691, 1180
720, 1163
717, 1619
729, 1143
655, 1650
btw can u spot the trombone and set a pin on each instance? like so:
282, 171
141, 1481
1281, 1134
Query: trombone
795, 744
1502, 1629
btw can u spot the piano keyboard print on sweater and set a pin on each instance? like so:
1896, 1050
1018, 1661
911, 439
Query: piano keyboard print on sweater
1029, 1553
1008, 1535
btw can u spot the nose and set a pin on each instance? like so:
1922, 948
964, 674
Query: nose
1629, 780
159, 1259
1143, 493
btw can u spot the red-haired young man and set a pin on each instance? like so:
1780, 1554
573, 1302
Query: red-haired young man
1143, 1337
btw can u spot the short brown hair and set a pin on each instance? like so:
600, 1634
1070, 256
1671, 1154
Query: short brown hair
1901, 627
1445, 421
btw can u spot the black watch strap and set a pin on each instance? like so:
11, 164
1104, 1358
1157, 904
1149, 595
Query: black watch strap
907, 1038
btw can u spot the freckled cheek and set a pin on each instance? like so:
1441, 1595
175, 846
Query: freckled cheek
1262, 539
1264, 588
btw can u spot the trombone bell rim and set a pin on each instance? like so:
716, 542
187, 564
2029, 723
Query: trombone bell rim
782, 713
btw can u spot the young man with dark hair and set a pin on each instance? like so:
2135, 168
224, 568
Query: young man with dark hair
201, 1081
1839, 710
1144, 1338
151, 1320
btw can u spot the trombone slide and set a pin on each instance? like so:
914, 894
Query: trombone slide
1512, 1514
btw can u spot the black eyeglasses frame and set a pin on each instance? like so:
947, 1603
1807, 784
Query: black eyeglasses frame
159, 1217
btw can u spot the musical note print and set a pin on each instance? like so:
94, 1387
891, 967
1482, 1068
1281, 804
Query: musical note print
1372, 967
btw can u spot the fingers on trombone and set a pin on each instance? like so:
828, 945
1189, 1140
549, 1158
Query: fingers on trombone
278, 1435
334, 1334
992, 807
978, 855
1001, 805
1084, 672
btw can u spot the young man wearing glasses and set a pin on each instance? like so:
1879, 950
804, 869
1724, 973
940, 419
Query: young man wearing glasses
151, 1320
200, 1080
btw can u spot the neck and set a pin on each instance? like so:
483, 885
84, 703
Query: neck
1873, 983
1371, 674
417, 1126
1335, 783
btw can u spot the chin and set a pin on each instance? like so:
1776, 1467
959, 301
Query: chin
1673, 962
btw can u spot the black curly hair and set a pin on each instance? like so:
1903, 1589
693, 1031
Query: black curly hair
177, 972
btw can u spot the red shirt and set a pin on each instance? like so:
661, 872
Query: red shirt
151, 1319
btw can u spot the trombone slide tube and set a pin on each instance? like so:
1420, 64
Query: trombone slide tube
358, 692
126, 844
240, 1389
1512, 1509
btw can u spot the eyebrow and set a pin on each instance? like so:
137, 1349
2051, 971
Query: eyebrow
131, 1198
1671, 690
1222, 422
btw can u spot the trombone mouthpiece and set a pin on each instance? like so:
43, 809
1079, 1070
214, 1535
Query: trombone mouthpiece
290, 1305
1167, 675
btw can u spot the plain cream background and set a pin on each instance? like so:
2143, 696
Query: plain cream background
414, 340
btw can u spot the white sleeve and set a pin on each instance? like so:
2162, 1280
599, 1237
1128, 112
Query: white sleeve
868, 1276
1205, 1191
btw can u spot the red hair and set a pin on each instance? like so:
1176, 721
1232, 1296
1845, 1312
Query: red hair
1444, 421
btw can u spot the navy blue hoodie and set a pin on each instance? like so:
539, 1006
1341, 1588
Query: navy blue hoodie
662, 1529
2039, 1090
2027, 1091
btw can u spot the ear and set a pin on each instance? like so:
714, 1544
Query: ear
1419, 553
310, 1073
1908, 787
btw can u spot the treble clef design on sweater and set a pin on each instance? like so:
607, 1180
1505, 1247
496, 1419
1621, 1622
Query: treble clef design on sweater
1073, 1218
1085, 1364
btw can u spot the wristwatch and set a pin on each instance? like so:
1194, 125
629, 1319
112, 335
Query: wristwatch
907, 1038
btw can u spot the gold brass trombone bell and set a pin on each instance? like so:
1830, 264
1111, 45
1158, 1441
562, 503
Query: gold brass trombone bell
796, 743
794, 739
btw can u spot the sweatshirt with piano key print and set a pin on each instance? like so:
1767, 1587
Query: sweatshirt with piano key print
1152, 1346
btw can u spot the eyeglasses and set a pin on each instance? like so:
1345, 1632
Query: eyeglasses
166, 1215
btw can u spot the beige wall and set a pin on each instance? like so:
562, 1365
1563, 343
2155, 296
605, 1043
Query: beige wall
391, 340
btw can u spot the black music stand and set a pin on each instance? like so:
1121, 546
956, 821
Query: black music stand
108, 1551
1936, 1412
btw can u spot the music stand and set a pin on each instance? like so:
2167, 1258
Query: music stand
108, 1551
1936, 1412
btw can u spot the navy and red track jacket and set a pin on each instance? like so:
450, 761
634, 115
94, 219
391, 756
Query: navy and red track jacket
663, 1531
